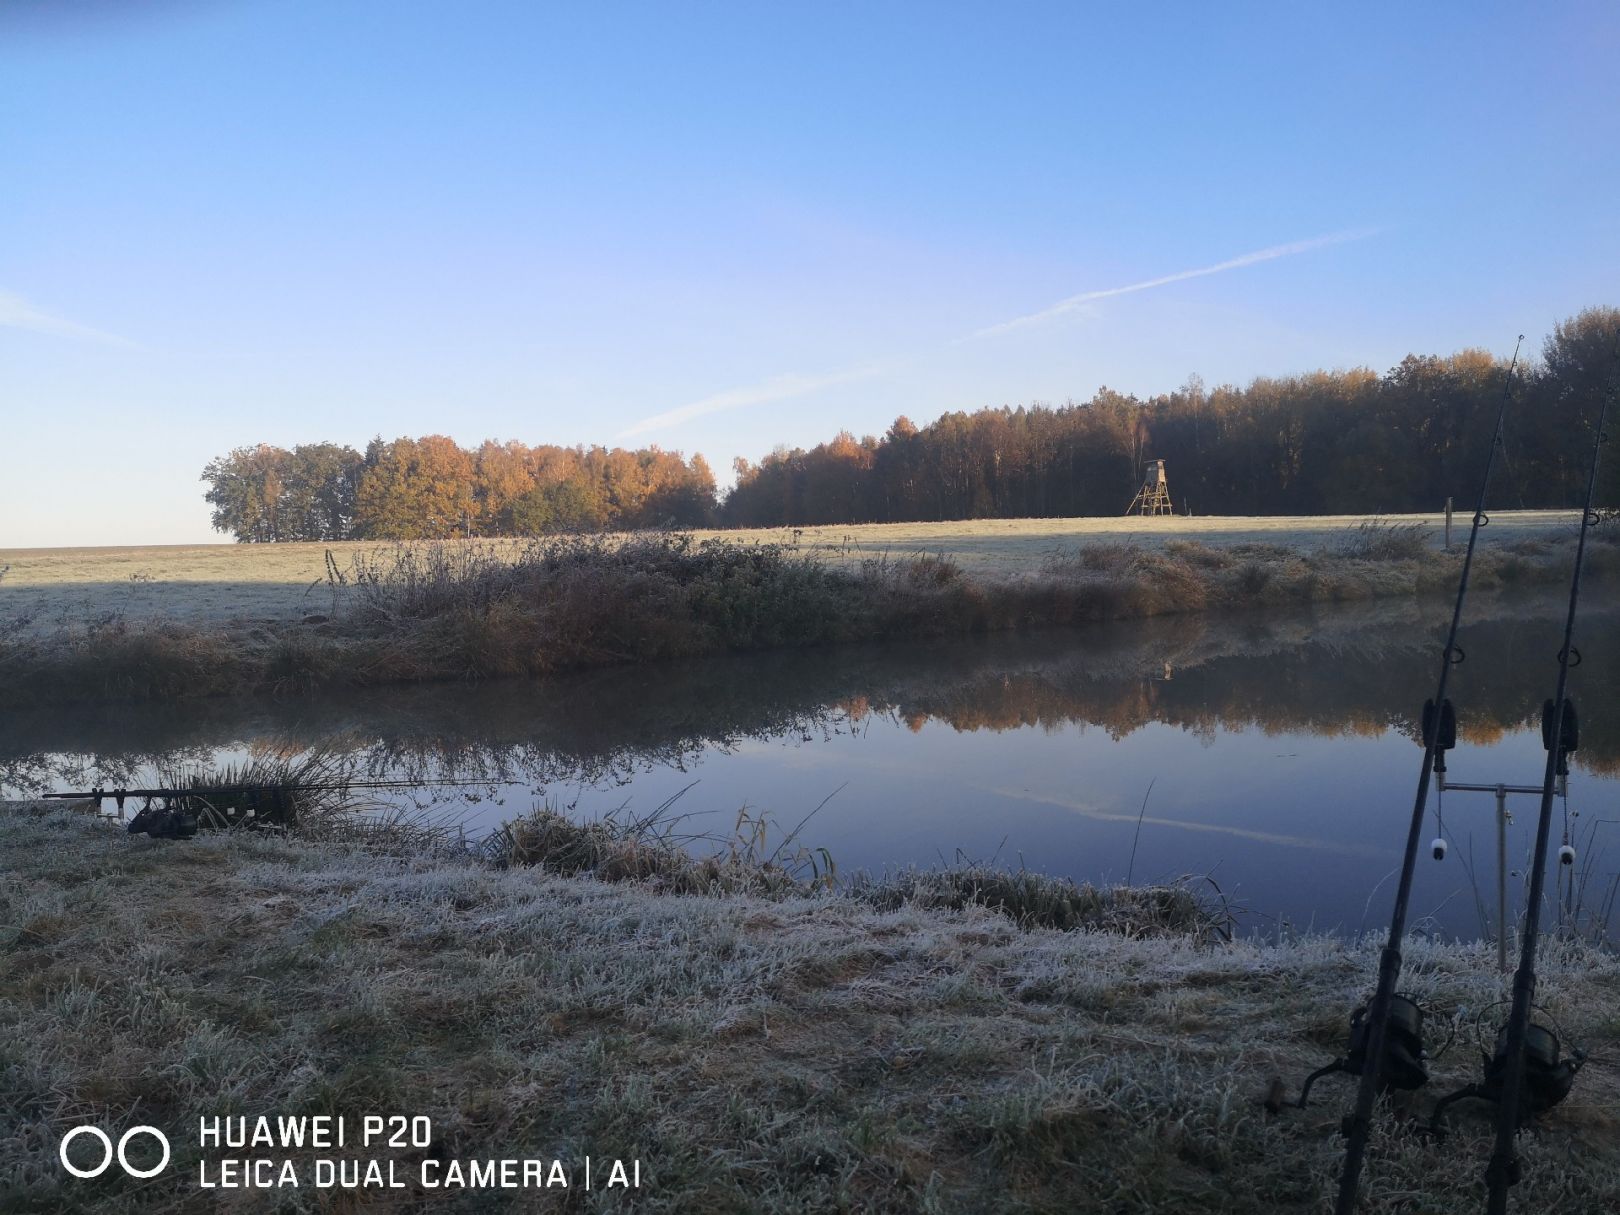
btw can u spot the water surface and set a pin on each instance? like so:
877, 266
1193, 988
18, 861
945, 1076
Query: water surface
1274, 754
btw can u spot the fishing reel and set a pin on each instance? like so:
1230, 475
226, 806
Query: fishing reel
164, 822
1547, 1080
1405, 1062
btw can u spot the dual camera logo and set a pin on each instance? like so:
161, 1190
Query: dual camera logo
108, 1152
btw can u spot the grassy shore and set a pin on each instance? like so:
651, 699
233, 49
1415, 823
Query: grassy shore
766, 1045
470, 610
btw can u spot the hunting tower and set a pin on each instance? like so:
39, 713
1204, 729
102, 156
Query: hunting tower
1154, 496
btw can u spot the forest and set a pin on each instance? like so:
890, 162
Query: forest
1322, 442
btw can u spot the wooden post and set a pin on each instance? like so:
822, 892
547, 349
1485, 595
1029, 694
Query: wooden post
1448, 524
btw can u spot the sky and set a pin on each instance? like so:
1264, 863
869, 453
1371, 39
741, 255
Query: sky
724, 227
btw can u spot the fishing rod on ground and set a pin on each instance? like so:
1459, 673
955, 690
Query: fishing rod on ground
1552, 1078
261, 803
1383, 1054
99, 794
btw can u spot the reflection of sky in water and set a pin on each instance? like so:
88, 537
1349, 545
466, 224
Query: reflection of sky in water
1294, 826
1299, 821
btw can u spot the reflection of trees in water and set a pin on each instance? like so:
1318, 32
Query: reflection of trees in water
1347, 671
1327, 686
1338, 680
44, 771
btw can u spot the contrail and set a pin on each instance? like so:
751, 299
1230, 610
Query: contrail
777, 388
1263, 837
18, 313
1236, 263
782, 387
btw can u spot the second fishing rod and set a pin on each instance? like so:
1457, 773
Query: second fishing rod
1376, 1026
1503, 1170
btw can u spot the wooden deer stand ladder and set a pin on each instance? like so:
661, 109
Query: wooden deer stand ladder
1154, 496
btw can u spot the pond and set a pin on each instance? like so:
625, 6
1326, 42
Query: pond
1270, 756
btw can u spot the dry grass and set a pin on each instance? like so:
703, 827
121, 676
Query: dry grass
459, 610
1381, 540
801, 1053
1039, 900
649, 851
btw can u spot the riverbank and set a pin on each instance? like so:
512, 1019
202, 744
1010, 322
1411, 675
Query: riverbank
474, 611
770, 1047
216, 584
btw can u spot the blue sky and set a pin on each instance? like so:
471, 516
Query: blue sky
723, 227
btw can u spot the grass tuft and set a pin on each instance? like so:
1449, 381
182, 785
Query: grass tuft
1038, 900
1381, 540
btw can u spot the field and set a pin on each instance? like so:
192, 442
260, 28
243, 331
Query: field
215, 583
783, 1050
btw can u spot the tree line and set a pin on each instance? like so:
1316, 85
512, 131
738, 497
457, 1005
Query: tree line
1325, 442
431, 488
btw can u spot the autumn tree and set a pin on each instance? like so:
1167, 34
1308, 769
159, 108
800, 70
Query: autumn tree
562, 506
417, 489
502, 474
244, 488
319, 489
1581, 363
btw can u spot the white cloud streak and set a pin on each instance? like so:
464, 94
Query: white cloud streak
1078, 302
777, 388
784, 387
18, 313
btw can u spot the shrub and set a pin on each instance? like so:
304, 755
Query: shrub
1195, 553
1253, 577
1379, 540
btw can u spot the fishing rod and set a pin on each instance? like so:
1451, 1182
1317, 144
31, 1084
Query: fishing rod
1503, 1169
1373, 1032
98, 795
264, 803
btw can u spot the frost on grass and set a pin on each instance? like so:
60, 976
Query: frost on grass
785, 1050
